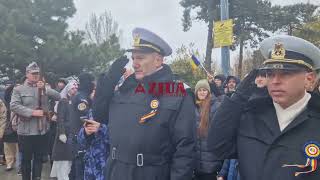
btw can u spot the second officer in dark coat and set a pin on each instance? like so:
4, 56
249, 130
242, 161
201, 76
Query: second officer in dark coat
275, 137
152, 136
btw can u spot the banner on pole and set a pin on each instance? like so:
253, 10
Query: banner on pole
223, 33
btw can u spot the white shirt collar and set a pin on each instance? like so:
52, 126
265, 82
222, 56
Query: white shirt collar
286, 116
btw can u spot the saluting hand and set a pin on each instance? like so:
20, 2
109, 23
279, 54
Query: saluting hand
247, 85
116, 69
91, 126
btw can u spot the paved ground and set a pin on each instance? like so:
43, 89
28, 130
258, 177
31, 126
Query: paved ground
12, 175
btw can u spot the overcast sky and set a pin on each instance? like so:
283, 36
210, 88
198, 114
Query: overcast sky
161, 16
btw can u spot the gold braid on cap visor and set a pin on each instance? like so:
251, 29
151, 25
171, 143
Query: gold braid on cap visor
292, 61
149, 46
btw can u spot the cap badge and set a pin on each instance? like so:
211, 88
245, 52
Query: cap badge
278, 52
312, 153
136, 40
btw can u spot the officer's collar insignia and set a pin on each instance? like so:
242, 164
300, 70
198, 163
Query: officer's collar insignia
154, 104
82, 106
136, 40
312, 153
278, 52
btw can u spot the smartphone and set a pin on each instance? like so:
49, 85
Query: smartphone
85, 121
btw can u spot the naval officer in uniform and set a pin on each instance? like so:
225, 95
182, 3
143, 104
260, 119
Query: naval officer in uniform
152, 135
275, 136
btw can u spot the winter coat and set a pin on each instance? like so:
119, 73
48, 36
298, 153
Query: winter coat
251, 133
230, 170
206, 162
63, 151
3, 118
97, 151
23, 101
161, 147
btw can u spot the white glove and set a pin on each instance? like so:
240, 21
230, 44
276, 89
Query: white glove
63, 138
54, 118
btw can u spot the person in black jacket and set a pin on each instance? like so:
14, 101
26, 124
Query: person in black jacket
277, 136
81, 109
207, 166
261, 79
219, 80
152, 135
230, 85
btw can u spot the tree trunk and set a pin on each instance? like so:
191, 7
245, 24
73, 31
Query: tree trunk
290, 30
240, 58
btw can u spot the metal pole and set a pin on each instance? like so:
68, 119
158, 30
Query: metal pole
225, 53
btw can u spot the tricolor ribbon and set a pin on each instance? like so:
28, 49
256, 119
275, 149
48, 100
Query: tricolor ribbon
154, 104
312, 152
145, 117
310, 163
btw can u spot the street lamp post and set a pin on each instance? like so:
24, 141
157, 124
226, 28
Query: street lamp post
225, 53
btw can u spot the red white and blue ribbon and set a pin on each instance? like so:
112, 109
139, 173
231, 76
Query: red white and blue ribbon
154, 104
312, 152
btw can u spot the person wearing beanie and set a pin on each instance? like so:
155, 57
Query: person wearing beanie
206, 105
218, 81
204, 85
86, 81
61, 84
231, 85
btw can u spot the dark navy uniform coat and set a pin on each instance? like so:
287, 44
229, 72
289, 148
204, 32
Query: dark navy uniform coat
251, 133
162, 148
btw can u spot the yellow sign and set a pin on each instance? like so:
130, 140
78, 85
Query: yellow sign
223, 33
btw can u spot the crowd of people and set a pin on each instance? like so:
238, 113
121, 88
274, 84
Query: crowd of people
265, 127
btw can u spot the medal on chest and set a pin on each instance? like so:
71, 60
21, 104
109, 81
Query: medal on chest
154, 105
312, 153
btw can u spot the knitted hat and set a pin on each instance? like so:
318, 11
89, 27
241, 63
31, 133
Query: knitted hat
221, 77
203, 83
86, 83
